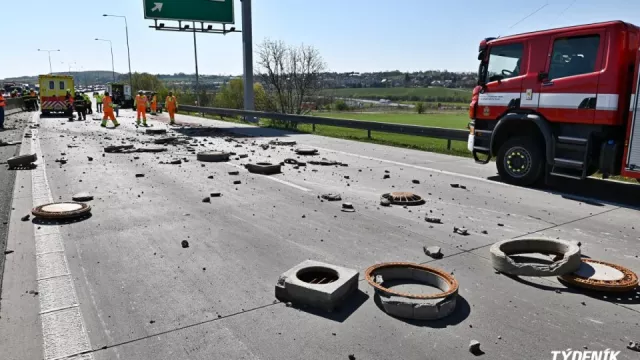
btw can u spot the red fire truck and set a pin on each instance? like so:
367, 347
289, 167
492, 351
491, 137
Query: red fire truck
559, 102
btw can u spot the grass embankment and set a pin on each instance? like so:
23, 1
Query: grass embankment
435, 94
445, 120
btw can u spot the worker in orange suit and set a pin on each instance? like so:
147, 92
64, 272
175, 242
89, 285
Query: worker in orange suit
141, 105
107, 105
171, 103
154, 103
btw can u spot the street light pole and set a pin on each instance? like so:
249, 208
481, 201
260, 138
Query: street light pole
49, 52
113, 67
195, 50
126, 28
247, 47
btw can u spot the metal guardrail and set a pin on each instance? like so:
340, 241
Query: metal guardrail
13, 103
415, 130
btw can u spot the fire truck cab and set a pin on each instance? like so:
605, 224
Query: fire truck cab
559, 102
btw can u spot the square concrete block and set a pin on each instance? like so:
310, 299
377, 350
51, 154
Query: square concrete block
317, 284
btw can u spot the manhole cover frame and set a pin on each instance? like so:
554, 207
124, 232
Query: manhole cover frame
566, 262
627, 283
290, 288
445, 276
39, 212
317, 275
264, 168
306, 151
403, 198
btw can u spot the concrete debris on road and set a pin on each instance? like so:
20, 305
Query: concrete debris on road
22, 161
385, 202
348, 207
151, 149
206, 200
165, 140
25, 218
185, 244
117, 148
331, 197
433, 251
634, 345
215, 194
264, 168
415, 181
455, 185
82, 196
306, 151
474, 347
265, 146
155, 131
386, 176
62, 161
237, 182
325, 162
461, 231
234, 172
89, 158
282, 143
139, 175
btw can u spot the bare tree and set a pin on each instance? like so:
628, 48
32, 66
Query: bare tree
291, 74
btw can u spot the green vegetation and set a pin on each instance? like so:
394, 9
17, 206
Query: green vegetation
451, 120
430, 94
420, 108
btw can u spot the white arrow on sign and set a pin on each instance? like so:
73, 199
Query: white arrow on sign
158, 6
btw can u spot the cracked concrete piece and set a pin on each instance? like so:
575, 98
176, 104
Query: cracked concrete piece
327, 296
433, 251
419, 309
567, 262
474, 347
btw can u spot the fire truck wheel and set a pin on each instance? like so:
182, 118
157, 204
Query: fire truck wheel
520, 161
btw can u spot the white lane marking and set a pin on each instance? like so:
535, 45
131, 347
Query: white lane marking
444, 172
275, 179
64, 332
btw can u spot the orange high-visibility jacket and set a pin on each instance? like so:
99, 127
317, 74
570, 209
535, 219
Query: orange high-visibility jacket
107, 103
2, 102
171, 102
141, 101
154, 100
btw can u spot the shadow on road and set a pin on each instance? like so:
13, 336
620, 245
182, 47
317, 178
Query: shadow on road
55, 222
593, 192
462, 311
622, 298
342, 313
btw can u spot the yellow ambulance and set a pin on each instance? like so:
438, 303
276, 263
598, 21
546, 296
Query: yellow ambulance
53, 91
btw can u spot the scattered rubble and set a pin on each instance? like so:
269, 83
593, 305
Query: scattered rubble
306, 151
206, 200
155, 131
117, 148
282, 143
415, 181
433, 251
634, 345
22, 161
139, 175
213, 156
461, 231
165, 140
455, 185
386, 176
25, 218
234, 172
215, 194
237, 182
185, 244
89, 158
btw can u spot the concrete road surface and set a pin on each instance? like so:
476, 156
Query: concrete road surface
119, 285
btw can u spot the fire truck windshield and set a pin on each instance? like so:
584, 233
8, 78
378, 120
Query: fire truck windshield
504, 62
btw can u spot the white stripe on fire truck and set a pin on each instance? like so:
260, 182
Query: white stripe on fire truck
546, 100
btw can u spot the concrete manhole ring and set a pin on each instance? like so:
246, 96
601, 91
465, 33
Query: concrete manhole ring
306, 151
264, 168
602, 276
83, 196
117, 148
403, 198
409, 305
213, 156
21, 160
155, 131
567, 256
61, 210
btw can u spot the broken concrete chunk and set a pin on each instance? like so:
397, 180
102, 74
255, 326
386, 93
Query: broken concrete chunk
378, 279
462, 231
139, 175
206, 200
634, 345
455, 185
215, 194
433, 251
385, 202
25, 218
386, 176
332, 197
415, 181
89, 158
237, 182
235, 172
474, 347
185, 244
433, 220
348, 207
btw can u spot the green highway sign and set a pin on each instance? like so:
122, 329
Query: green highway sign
210, 11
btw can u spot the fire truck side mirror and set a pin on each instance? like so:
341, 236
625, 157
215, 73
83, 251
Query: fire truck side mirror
543, 76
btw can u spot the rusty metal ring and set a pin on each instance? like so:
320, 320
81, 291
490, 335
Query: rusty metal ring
627, 283
448, 278
40, 211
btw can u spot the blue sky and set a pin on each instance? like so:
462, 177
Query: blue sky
352, 35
